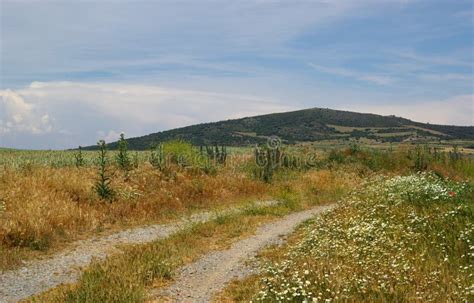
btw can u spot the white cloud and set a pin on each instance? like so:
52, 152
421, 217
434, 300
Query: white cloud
18, 116
456, 110
137, 103
342, 72
110, 136
87, 112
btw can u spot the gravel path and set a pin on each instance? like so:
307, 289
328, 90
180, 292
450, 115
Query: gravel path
199, 281
65, 267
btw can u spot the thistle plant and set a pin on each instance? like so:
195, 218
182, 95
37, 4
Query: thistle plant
221, 154
157, 157
102, 184
267, 160
216, 154
210, 152
159, 160
123, 159
454, 155
79, 158
420, 159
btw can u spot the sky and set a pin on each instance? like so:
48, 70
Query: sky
74, 72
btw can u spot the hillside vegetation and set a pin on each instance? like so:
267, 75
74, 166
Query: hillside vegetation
307, 125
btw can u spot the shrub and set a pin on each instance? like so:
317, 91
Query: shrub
180, 152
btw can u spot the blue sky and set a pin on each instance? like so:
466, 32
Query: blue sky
73, 72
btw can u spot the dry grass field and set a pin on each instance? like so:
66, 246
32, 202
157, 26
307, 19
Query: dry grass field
45, 207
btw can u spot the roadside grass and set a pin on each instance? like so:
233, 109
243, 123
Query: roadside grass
125, 277
399, 239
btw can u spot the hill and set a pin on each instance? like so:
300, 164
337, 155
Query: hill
307, 125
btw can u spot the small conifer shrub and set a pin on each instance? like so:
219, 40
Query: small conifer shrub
102, 185
123, 159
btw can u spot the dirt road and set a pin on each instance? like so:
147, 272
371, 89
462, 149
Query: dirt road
199, 281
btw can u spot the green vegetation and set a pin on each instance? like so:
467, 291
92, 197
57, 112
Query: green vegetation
21, 159
79, 157
308, 125
102, 185
122, 157
216, 154
157, 158
267, 160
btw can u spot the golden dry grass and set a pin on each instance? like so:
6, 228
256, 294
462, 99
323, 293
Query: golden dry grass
44, 207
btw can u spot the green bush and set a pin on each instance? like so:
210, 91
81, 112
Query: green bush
180, 152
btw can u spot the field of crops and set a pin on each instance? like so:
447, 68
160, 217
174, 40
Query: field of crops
18, 159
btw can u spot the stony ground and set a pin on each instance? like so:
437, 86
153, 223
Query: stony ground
65, 267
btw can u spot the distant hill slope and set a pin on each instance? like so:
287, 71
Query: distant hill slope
305, 125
